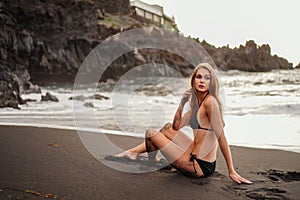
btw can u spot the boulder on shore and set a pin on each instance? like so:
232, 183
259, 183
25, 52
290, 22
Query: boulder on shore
49, 97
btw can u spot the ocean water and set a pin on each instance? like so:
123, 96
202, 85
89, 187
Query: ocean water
261, 110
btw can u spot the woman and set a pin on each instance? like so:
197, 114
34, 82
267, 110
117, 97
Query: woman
194, 158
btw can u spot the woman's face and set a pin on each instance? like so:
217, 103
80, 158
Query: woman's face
202, 80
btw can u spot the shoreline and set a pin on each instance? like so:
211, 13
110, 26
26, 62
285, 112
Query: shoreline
113, 132
54, 161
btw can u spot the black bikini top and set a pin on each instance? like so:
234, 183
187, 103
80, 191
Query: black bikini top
194, 124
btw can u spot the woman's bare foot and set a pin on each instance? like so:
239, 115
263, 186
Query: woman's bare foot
127, 154
154, 158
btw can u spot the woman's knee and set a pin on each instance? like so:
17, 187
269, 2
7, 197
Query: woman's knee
166, 127
168, 131
150, 132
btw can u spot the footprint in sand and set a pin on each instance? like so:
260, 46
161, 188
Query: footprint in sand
273, 184
288, 176
267, 193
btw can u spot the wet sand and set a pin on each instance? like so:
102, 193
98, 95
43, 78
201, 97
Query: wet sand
45, 163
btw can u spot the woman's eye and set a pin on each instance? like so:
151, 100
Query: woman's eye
198, 77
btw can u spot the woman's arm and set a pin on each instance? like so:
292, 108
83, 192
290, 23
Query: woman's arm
228, 158
214, 114
177, 117
179, 121
226, 152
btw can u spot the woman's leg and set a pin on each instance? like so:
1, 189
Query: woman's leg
133, 152
178, 157
177, 137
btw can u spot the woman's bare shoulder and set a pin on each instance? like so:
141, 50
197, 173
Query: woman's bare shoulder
211, 101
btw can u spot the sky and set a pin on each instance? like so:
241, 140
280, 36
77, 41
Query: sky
233, 22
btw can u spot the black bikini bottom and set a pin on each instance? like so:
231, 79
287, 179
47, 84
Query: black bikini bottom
207, 167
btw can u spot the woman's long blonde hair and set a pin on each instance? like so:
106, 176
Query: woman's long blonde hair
213, 87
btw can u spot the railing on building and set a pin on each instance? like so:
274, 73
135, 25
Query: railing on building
155, 13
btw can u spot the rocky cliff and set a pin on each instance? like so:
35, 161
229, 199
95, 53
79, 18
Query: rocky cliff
40, 39
45, 40
251, 57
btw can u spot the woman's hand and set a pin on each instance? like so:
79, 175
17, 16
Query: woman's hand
186, 96
237, 178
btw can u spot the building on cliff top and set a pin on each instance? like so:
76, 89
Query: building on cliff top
155, 13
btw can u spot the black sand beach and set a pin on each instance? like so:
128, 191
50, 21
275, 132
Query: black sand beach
45, 163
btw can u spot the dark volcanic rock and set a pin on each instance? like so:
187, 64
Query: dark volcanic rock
51, 39
89, 105
99, 97
250, 57
82, 98
43, 38
49, 97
